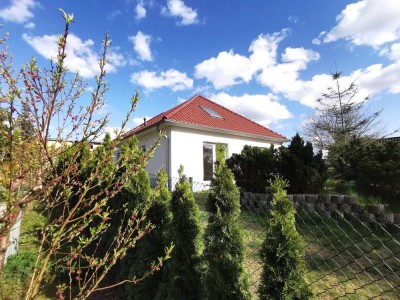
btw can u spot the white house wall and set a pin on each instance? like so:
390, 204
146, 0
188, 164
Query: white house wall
160, 158
187, 149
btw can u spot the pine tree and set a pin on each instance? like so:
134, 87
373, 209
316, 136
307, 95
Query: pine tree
26, 122
282, 252
181, 274
153, 245
305, 171
223, 254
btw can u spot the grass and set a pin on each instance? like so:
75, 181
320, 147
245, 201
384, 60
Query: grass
19, 266
345, 257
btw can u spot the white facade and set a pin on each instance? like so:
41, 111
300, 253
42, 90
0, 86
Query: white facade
184, 146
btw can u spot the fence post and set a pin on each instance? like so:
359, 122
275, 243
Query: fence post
191, 184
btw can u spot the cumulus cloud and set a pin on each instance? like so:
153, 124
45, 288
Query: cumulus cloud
225, 70
140, 11
171, 78
80, 54
392, 52
228, 68
282, 75
19, 11
318, 40
367, 22
264, 109
141, 44
177, 8
30, 25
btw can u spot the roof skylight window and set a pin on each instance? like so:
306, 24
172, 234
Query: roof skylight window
211, 112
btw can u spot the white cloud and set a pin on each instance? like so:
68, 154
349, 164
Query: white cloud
112, 131
138, 121
114, 14
225, 70
80, 55
264, 109
393, 52
228, 68
19, 11
140, 11
293, 19
141, 44
368, 22
172, 79
318, 40
30, 25
177, 8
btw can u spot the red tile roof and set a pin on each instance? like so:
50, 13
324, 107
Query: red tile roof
190, 112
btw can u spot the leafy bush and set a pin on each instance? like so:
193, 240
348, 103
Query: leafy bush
254, 167
225, 276
373, 165
282, 251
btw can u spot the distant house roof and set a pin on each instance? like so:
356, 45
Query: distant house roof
204, 113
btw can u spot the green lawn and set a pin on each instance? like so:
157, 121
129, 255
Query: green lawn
345, 258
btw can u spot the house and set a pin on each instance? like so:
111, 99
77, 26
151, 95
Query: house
191, 131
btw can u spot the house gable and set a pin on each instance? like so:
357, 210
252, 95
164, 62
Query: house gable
202, 113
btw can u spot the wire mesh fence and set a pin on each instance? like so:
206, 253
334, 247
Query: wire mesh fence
352, 250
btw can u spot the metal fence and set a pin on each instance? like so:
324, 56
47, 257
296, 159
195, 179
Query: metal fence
14, 234
352, 251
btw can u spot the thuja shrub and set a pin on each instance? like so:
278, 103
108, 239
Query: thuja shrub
225, 277
152, 245
181, 278
282, 252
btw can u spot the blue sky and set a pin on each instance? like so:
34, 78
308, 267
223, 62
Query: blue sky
268, 60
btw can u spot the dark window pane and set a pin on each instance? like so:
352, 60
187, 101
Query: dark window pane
208, 161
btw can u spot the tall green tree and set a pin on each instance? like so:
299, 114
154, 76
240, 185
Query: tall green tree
305, 171
153, 245
182, 279
225, 277
282, 252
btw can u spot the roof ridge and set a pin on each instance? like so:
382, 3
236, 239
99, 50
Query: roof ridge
178, 108
242, 116
165, 114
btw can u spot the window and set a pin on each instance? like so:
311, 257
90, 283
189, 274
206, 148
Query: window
117, 155
209, 157
211, 112
208, 161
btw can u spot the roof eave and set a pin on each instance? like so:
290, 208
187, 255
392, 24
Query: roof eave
232, 132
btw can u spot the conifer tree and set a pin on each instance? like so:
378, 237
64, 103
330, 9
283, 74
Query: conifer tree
181, 278
153, 245
282, 252
225, 276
